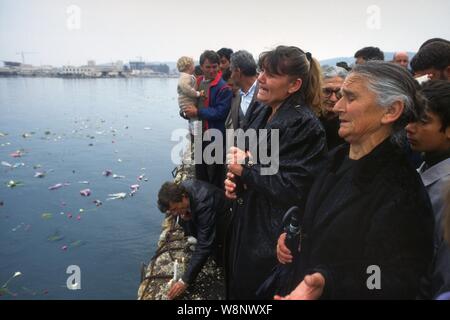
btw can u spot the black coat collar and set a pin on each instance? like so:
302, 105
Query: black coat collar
368, 166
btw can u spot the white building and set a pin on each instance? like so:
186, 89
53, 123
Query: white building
83, 71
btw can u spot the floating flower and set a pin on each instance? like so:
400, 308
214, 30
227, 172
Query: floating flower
46, 216
39, 174
114, 196
107, 173
85, 192
17, 154
58, 185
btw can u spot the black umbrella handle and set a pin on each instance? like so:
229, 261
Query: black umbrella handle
293, 230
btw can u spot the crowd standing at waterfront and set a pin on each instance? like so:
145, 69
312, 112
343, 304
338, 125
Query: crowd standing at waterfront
344, 142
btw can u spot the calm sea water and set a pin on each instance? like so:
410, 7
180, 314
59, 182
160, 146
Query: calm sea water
74, 130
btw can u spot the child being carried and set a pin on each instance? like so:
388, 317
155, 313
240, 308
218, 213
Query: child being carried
187, 91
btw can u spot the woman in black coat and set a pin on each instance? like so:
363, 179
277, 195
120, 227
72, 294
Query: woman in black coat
368, 224
289, 88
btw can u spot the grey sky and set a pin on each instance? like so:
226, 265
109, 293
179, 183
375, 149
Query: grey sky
163, 30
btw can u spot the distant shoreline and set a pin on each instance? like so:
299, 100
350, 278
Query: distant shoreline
171, 76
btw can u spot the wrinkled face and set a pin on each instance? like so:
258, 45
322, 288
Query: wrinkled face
359, 113
332, 92
426, 135
224, 64
402, 59
181, 209
274, 89
210, 69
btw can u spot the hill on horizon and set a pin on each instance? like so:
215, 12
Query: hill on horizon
350, 60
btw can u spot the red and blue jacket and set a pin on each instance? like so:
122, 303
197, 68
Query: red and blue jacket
217, 104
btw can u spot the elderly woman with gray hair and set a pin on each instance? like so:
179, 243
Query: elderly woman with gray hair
333, 78
367, 228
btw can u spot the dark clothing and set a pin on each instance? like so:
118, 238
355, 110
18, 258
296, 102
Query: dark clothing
371, 212
215, 106
211, 173
435, 174
208, 206
258, 212
236, 118
213, 110
226, 75
331, 126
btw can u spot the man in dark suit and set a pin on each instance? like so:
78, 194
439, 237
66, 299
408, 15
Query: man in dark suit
201, 207
244, 76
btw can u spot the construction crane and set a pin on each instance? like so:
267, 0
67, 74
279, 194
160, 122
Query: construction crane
23, 53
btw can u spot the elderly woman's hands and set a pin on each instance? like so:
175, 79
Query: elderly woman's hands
311, 288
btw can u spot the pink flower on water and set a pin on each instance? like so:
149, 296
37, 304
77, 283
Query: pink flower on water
85, 192
16, 154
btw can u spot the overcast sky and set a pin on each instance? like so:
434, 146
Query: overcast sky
62, 32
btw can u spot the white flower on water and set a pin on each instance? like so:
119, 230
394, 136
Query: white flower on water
17, 274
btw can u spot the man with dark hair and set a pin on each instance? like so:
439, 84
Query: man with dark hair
431, 135
202, 208
343, 65
225, 55
433, 40
213, 109
244, 76
368, 53
433, 59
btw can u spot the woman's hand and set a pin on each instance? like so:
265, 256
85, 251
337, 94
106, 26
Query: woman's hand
311, 288
230, 186
284, 255
235, 160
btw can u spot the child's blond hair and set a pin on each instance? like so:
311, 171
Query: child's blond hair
184, 62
